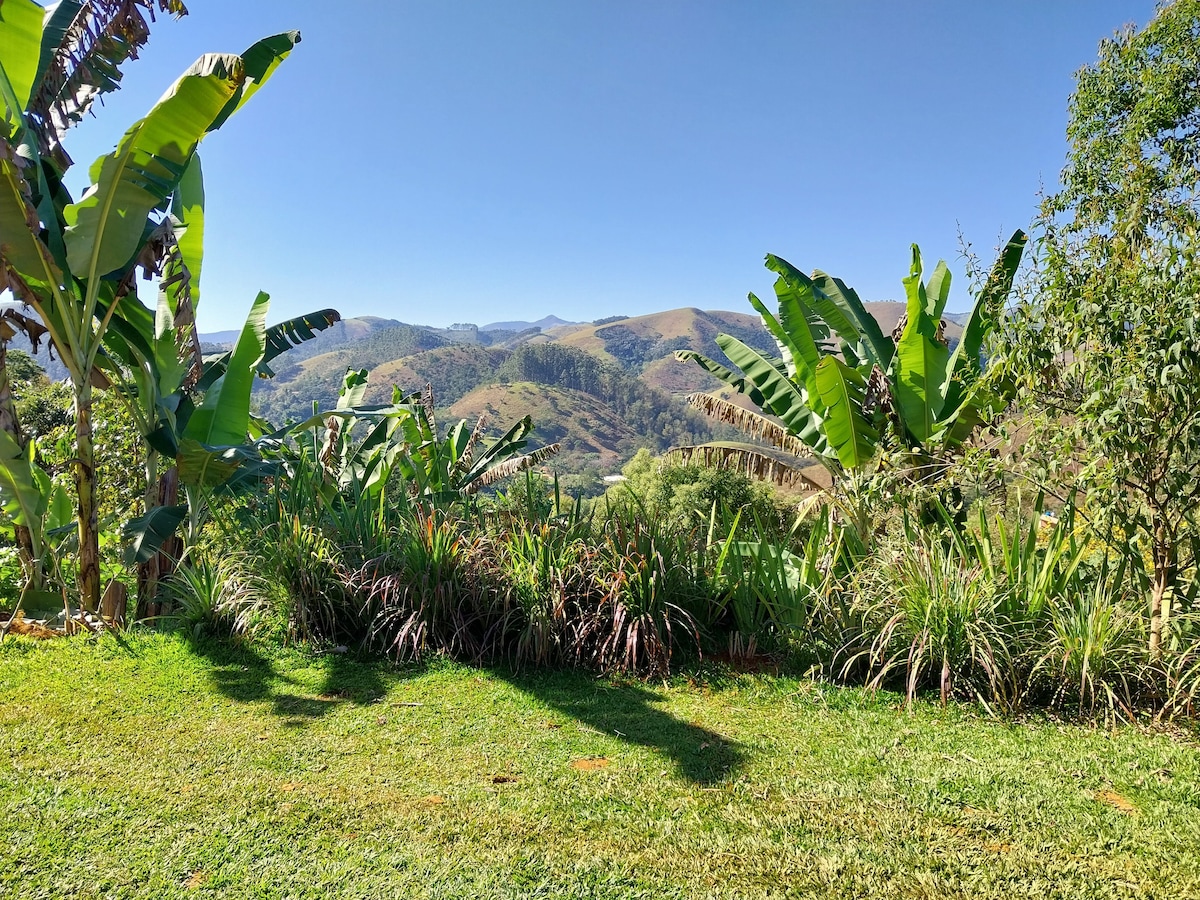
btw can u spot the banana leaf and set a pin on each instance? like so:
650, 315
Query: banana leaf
223, 418
147, 533
919, 367
849, 433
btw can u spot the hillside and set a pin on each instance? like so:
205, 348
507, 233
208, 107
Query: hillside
453, 370
595, 409
592, 433
299, 380
634, 342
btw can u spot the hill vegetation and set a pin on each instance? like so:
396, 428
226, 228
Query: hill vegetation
602, 407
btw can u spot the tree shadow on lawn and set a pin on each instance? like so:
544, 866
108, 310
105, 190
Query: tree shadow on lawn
626, 711
622, 709
242, 673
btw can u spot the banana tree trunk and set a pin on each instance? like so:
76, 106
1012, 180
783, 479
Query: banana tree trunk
163, 491
85, 489
31, 565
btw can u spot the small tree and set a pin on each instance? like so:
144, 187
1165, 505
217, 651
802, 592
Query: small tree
1108, 349
74, 262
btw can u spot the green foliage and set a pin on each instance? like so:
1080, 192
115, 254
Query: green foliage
422, 596
843, 387
74, 262
945, 629
683, 496
217, 596
647, 585
1104, 350
402, 440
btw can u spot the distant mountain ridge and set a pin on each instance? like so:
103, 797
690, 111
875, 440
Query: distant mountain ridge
543, 323
603, 389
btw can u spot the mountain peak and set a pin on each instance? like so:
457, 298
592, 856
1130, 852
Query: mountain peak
543, 323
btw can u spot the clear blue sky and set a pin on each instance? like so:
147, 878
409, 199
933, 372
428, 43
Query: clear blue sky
476, 161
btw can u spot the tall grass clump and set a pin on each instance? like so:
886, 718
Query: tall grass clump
938, 624
218, 595
424, 595
635, 611
541, 570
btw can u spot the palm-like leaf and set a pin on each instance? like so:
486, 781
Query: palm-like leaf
919, 367
20, 40
849, 308
849, 433
84, 43
280, 338
791, 403
223, 419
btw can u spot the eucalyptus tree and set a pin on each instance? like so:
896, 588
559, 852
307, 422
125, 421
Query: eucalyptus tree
1106, 350
74, 262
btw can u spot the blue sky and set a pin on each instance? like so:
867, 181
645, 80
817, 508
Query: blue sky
477, 161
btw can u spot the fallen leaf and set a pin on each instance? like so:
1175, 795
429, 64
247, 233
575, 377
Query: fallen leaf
998, 848
589, 763
290, 786
705, 745
503, 779
286, 807
552, 725
380, 720
185, 789
195, 879
1116, 801
433, 799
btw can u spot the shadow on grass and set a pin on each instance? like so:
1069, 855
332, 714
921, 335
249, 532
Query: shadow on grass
241, 673
628, 711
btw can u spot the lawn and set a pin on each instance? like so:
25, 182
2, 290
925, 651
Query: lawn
150, 766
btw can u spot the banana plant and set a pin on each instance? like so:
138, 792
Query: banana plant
403, 438
842, 385
74, 261
204, 431
444, 469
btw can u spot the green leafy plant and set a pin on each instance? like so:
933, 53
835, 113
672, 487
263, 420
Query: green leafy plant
645, 584
1103, 348
1094, 650
74, 261
940, 624
542, 579
217, 596
842, 386
403, 438
424, 596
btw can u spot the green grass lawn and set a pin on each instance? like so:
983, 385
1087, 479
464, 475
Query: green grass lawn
149, 767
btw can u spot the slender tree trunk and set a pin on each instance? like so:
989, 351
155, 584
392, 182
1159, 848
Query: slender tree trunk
9, 422
147, 574
1166, 568
165, 493
85, 488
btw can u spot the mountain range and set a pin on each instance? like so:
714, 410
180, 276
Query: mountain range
601, 389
